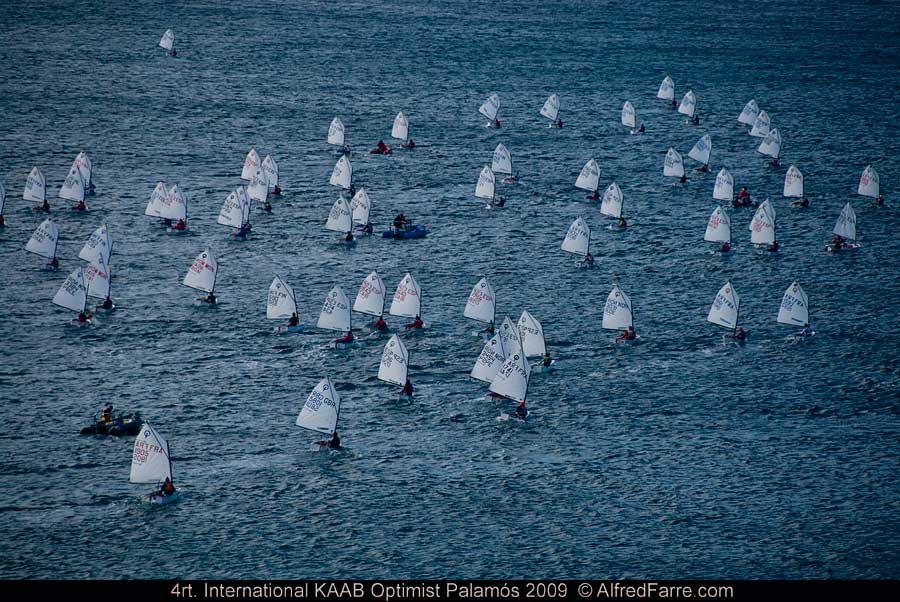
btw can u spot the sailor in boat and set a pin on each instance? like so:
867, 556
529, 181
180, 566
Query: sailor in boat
622, 224
743, 197
107, 303
106, 414
407, 389
546, 360
673, 104
500, 202
490, 329
333, 443
294, 320
173, 52
276, 191
806, 332
409, 144
167, 489
641, 129
349, 237
80, 206
415, 324
703, 168
588, 260
683, 179
773, 246
368, 228
380, 149
44, 207
593, 196
558, 123
495, 123
879, 202
83, 318
803, 202
179, 225
521, 410
511, 179
379, 324
696, 120
53, 263
347, 338
210, 298
352, 190
400, 222
725, 247
267, 206
628, 335
739, 334
837, 241
345, 150
774, 163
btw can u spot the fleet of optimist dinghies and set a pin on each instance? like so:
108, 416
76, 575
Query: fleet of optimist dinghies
513, 351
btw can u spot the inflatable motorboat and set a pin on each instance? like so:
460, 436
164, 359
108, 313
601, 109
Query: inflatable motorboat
416, 231
118, 425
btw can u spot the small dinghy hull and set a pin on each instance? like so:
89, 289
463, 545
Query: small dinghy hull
540, 367
416, 231
161, 500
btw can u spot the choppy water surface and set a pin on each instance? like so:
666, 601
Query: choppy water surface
678, 458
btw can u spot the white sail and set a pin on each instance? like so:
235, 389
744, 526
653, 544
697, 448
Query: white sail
793, 182
407, 300
688, 104
251, 164
761, 125
258, 188
335, 314
674, 164
370, 298
628, 114
232, 212
73, 188
724, 188
771, 144
666, 89
96, 278
749, 114
589, 178
336, 132
73, 292
550, 110
157, 200
845, 226
512, 377
202, 273
701, 150
360, 207
501, 161
394, 362
481, 305
342, 174
484, 189
98, 245
168, 40
578, 238
532, 335
270, 169
617, 313
322, 408
490, 107
83, 163
718, 229
400, 129
35, 186
280, 302
762, 226
794, 309
509, 334
339, 219
492, 356
869, 183
150, 461
246, 203
174, 206
724, 310
613, 199
43, 241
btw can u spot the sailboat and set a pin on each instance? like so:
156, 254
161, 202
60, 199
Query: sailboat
674, 165
394, 366
342, 176
481, 305
612, 203
340, 219
370, 300
701, 151
869, 184
492, 356
718, 229
589, 179
97, 280
771, 146
321, 412
667, 90
336, 315
251, 164
174, 209
270, 170
762, 227
749, 113
484, 189
235, 213
618, 315
73, 295
400, 131
43, 242
688, 104
793, 183
83, 163
152, 463
336, 137
489, 109
73, 189
578, 242
360, 207
628, 116
96, 251
761, 126
724, 187
502, 163
531, 335
844, 231
202, 276
550, 110
725, 311
157, 200
407, 301
258, 188
281, 304
167, 42
36, 189
511, 381
794, 309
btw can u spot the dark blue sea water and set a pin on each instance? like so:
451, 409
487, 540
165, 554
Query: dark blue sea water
678, 458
